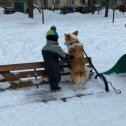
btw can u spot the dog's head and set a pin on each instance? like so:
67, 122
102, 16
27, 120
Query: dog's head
71, 38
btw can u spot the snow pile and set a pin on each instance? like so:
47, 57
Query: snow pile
1, 10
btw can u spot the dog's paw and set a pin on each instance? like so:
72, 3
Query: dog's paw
75, 87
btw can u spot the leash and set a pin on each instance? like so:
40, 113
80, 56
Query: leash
101, 76
117, 91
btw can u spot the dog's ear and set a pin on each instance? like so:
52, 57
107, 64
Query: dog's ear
75, 33
67, 36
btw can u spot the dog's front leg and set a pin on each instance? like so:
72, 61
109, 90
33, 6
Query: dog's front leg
75, 81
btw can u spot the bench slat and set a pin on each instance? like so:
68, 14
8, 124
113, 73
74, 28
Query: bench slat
26, 75
15, 85
23, 66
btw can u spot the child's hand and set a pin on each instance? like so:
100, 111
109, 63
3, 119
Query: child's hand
71, 57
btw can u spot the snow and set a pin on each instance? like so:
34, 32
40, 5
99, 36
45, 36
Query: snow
21, 41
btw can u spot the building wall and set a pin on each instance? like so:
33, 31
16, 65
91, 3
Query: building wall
119, 2
63, 3
4, 3
49, 3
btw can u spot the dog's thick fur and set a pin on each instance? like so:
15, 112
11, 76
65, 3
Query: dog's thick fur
78, 73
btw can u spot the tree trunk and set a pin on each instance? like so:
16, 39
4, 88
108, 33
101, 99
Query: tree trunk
113, 17
106, 7
42, 12
45, 4
30, 5
92, 3
114, 3
5, 3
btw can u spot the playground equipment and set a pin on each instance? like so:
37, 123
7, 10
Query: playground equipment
119, 67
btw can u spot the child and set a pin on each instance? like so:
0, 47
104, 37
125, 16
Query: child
51, 53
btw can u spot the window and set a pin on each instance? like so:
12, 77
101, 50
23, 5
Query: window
70, 2
82, 1
56, 1
2, 2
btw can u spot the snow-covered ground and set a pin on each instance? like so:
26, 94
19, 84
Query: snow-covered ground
21, 41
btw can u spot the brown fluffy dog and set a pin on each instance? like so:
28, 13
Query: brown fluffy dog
78, 73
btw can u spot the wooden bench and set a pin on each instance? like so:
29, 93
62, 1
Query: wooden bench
23, 75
